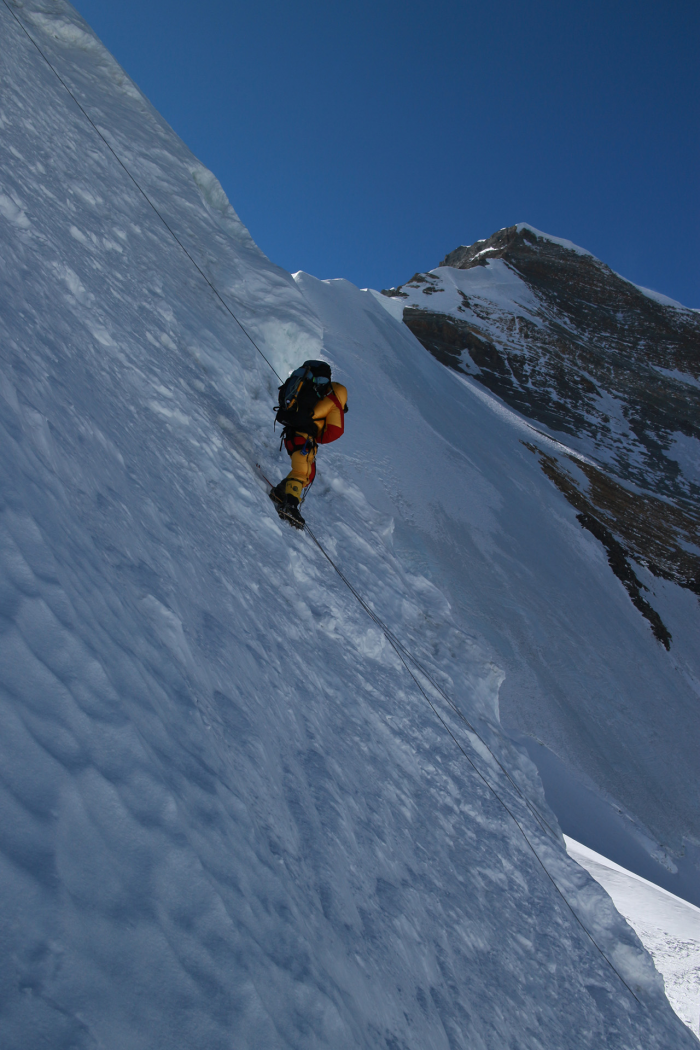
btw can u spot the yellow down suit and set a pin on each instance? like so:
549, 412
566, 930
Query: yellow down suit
329, 417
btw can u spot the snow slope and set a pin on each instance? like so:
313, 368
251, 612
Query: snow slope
228, 818
572, 683
667, 926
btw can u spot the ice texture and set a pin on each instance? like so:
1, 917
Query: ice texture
228, 818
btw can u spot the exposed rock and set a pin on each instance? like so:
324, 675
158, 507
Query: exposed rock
653, 532
573, 346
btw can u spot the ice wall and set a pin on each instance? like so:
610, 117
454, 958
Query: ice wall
227, 817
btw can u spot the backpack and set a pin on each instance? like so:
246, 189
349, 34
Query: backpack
299, 395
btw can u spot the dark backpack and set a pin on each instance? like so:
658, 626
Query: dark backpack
299, 395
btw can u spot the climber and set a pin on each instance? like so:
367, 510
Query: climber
312, 410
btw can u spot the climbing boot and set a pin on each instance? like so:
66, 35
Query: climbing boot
287, 505
277, 492
290, 511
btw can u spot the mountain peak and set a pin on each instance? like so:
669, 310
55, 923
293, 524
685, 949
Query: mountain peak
508, 239
560, 337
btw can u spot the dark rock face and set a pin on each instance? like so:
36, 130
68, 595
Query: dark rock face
598, 360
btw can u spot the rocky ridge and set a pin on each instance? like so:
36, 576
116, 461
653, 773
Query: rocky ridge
609, 368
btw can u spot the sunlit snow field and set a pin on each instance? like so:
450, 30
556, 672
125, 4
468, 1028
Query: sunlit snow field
668, 927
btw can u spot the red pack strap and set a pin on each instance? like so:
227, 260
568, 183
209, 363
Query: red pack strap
331, 433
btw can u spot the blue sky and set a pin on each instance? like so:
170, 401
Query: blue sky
367, 140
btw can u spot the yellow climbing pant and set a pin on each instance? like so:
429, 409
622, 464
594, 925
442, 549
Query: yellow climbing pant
302, 472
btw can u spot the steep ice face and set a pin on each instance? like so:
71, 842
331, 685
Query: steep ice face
227, 816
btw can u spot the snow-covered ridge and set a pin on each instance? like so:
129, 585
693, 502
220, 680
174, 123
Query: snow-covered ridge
561, 241
227, 816
668, 927
658, 297
566, 342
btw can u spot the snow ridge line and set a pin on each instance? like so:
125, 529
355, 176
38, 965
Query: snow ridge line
403, 656
114, 153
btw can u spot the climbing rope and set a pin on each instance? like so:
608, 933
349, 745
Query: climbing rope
139, 187
404, 656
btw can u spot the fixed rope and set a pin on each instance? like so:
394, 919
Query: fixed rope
401, 650
404, 656
143, 193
